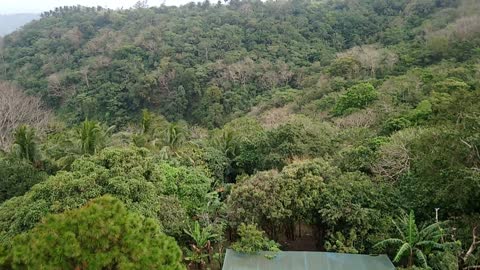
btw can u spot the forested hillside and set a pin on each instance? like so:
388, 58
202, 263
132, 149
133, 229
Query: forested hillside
341, 125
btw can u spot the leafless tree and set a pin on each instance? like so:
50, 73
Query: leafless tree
364, 118
276, 116
240, 72
105, 42
141, 4
267, 74
274, 74
394, 157
371, 57
462, 29
150, 38
467, 27
473, 246
74, 36
55, 85
17, 108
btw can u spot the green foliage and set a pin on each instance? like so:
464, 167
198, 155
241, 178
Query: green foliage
17, 177
359, 158
282, 97
102, 234
441, 163
109, 65
249, 142
25, 145
201, 248
446, 260
129, 174
417, 116
147, 121
174, 135
421, 112
172, 138
299, 137
396, 124
388, 91
345, 67
217, 162
357, 97
450, 85
201, 236
191, 186
311, 192
355, 202
415, 243
339, 243
252, 240
65, 145
91, 137
296, 190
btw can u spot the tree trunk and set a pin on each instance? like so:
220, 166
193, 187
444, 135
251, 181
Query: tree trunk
410, 258
473, 246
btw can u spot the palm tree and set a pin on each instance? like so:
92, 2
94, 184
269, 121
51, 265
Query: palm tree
92, 136
227, 143
63, 148
89, 134
147, 121
174, 136
413, 242
24, 145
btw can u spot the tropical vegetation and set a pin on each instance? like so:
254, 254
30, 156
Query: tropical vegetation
245, 124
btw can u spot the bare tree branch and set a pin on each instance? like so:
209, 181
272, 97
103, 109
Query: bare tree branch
473, 246
17, 108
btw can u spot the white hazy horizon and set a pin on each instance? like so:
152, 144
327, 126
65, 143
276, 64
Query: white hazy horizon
39, 6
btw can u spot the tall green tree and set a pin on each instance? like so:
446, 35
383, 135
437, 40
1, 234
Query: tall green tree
92, 137
25, 145
356, 97
101, 235
173, 137
133, 175
17, 176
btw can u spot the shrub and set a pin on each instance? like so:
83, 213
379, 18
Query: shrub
252, 240
356, 97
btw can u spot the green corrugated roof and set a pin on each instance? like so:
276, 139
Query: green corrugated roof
300, 260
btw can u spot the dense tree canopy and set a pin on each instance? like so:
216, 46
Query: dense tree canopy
17, 177
206, 61
311, 123
130, 175
101, 235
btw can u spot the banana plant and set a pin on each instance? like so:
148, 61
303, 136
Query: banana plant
201, 249
414, 243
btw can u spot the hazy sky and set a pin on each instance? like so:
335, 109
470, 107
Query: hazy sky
37, 6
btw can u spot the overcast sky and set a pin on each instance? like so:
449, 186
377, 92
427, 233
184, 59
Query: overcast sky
37, 6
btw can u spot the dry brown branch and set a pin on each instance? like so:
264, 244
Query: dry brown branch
364, 118
17, 108
371, 57
275, 117
394, 157
473, 246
